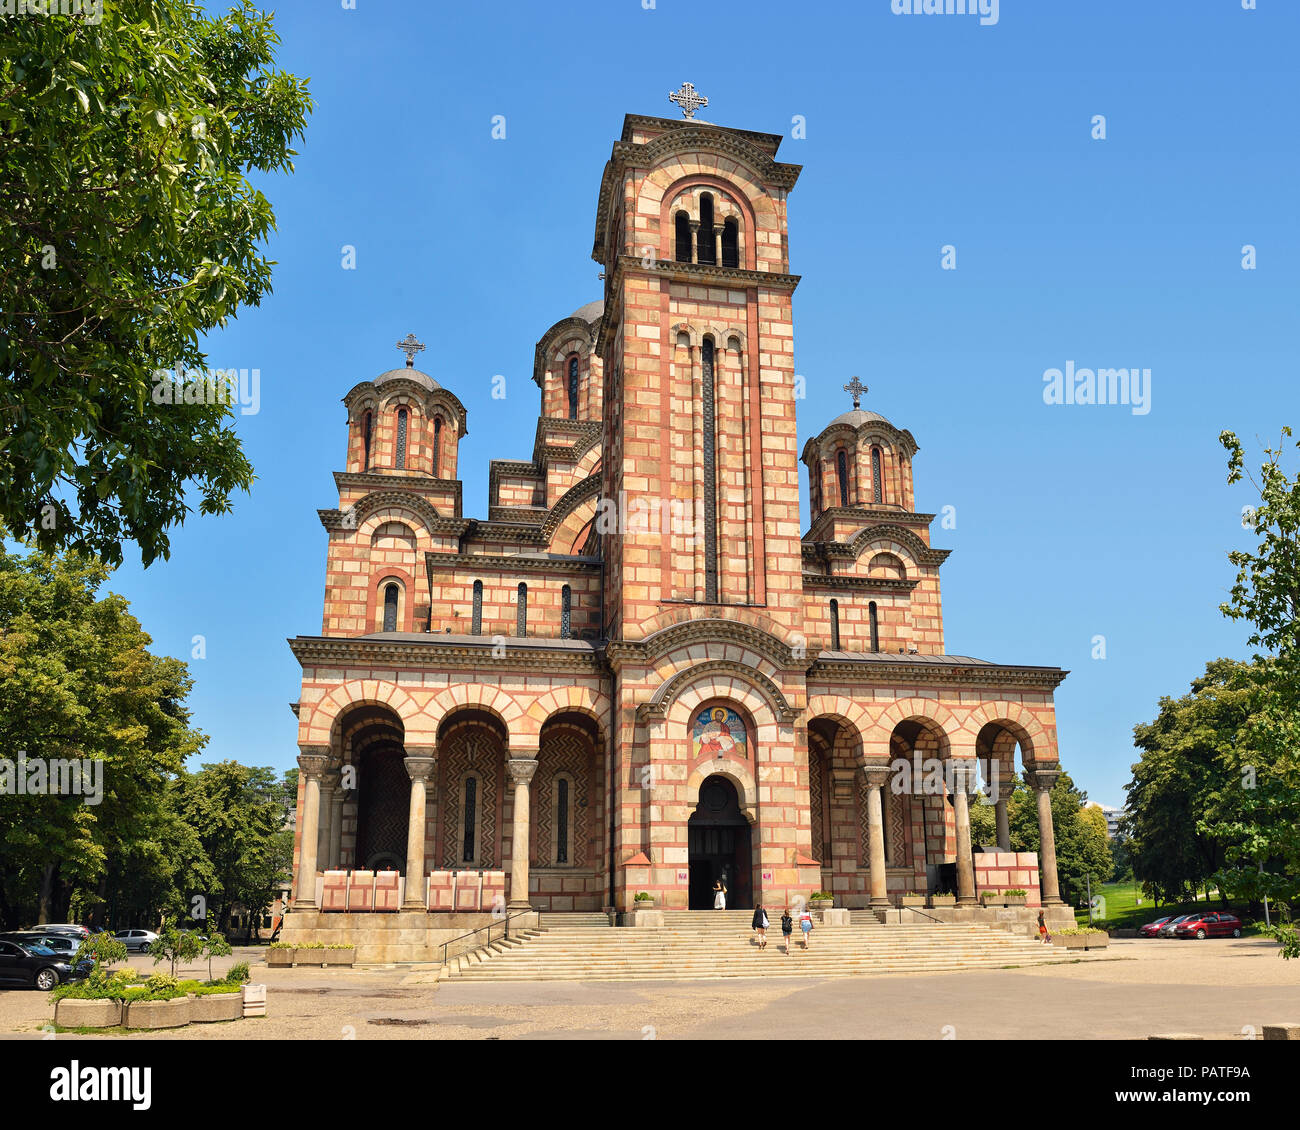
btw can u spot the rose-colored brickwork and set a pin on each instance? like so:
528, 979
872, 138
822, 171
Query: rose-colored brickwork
647, 562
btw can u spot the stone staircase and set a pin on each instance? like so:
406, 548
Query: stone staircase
710, 944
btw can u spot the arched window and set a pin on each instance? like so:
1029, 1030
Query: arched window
710, 476
835, 625
367, 430
562, 820
390, 607
573, 388
731, 243
842, 474
437, 443
683, 232
476, 619
566, 612
708, 242
877, 491
875, 626
521, 611
470, 825
400, 460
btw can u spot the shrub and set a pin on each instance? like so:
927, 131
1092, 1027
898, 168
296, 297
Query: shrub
1017, 891
309, 946
162, 983
281, 946
643, 896
237, 973
340, 946
822, 895
218, 987
1078, 931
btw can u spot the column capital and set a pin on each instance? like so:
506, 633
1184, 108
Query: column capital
842, 782
420, 768
521, 769
1042, 779
876, 775
421, 750
329, 779
313, 760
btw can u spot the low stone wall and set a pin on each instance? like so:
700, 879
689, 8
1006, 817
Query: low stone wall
213, 1007
384, 938
1022, 920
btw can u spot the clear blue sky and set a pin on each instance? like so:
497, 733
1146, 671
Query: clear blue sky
1072, 521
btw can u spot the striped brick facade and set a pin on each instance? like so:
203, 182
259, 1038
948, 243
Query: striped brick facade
565, 655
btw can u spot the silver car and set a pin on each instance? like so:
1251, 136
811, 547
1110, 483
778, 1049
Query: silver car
136, 940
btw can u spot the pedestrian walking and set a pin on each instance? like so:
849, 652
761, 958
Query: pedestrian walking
805, 924
719, 895
787, 929
1043, 935
760, 925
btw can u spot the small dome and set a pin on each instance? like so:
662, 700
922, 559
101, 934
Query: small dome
590, 312
410, 374
857, 417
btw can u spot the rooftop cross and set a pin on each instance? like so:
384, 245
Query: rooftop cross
857, 388
688, 100
410, 347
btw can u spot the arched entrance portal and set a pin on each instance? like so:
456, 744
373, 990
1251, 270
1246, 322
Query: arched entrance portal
718, 842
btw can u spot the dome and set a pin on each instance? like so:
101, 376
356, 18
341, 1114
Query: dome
410, 374
591, 312
857, 417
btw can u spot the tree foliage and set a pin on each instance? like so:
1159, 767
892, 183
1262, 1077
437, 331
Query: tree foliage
128, 230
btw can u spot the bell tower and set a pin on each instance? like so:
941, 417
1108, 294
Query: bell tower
701, 490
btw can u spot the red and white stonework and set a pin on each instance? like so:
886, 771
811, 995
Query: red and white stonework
636, 674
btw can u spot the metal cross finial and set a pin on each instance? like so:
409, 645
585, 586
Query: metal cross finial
410, 347
856, 388
688, 100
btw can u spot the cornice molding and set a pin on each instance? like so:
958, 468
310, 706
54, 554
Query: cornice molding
507, 563
431, 652
366, 505
704, 630
892, 673
875, 584
900, 436
656, 709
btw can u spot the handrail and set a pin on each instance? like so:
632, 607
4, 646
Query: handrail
504, 923
923, 914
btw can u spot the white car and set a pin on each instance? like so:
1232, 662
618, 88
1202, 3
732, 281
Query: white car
136, 939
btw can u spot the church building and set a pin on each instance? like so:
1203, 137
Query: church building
639, 672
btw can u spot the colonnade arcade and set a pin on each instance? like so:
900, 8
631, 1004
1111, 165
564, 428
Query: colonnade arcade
372, 801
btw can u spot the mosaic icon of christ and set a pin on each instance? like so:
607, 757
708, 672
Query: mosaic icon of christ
719, 732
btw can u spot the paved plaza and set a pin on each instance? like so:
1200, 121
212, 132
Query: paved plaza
1222, 988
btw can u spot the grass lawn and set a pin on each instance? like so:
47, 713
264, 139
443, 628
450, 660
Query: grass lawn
1121, 908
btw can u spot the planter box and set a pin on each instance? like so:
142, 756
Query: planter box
1015, 900
820, 904
340, 957
254, 1000
1081, 941
71, 1013
279, 957
216, 1006
943, 900
309, 956
643, 904
157, 1014
912, 900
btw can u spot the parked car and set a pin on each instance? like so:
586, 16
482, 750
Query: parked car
30, 964
59, 943
1151, 929
139, 940
60, 928
1216, 924
1167, 930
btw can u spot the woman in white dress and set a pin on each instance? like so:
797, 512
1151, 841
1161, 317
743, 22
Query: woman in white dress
719, 895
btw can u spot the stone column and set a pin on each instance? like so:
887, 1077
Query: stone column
329, 784
695, 240
876, 776
1041, 781
420, 770
1004, 825
312, 762
521, 775
962, 775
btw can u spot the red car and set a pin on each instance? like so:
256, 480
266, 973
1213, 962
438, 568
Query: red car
1151, 929
1213, 925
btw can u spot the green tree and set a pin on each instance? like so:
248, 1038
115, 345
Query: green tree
77, 682
1259, 815
128, 230
1182, 776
